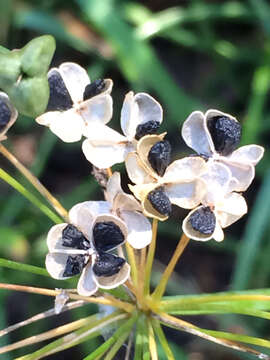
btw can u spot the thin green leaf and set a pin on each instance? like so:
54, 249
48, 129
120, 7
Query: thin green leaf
162, 339
23, 267
32, 198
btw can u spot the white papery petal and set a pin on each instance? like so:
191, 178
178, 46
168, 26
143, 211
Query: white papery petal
126, 202
54, 237
135, 169
83, 215
217, 181
139, 109
98, 109
139, 229
100, 134
244, 174
184, 169
56, 264
248, 154
86, 284
111, 282
75, 79
233, 208
196, 135
13, 116
186, 194
218, 233
104, 156
113, 186
192, 233
67, 125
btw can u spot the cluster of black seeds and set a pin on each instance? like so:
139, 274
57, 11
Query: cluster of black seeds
5, 115
74, 265
59, 96
225, 133
74, 238
148, 128
203, 220
159, 156
107, 264
93, 89
160, 201
107, 235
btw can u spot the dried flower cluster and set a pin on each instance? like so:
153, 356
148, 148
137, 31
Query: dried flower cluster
209, 183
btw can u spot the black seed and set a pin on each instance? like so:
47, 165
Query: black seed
5, 114
148, 128
203, 220
107, 264
107, 235
160, 201
74, 238
59, 96
159, 156
74, 265
226, 134
93, 89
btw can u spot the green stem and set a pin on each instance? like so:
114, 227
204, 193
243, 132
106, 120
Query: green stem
32, 198
150, 258
124, 329
23, 267
162, 339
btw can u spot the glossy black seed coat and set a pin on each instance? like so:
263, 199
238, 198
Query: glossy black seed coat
107, 265
107, 235
226, 134
59, 96
160, 201
5, 114
93, 89
148, 128
203, 220
159, 156
74, 265
74, 238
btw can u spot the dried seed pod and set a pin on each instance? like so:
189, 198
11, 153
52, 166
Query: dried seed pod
74, 265
225, 132
107, 264
147, 128
59, 96
160, 201
5, 114
74, 238
203, 220
159, 156
107, 235
93, 89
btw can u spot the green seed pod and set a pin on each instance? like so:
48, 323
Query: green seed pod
30, 95
36, 56
10, 69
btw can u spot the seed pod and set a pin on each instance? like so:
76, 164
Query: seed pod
225, 132
60, 98
93, 89
160, 201
148, 128
5, 114
74, 265
159, 156
74, 238
107, 235
107, 264
203, 220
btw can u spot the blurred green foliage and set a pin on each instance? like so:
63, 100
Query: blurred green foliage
196, 55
